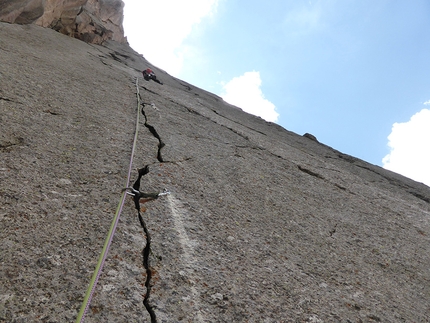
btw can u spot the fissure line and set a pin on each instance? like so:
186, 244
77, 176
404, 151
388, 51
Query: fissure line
144, 197
154, 132
140, 197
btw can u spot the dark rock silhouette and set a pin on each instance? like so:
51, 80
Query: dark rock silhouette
262, 224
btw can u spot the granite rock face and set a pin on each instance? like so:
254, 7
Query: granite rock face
92, 21
262, 224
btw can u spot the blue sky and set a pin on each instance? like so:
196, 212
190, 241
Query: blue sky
354, 73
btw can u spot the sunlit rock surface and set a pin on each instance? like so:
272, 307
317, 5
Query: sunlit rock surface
92, 21
262, 224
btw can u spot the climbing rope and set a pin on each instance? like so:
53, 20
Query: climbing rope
108, 241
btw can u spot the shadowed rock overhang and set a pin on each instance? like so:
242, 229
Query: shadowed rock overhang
92, 21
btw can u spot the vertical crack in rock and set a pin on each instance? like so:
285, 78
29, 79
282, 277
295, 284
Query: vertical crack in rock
146, 251
154, 132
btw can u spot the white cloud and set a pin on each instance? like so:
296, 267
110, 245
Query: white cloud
409, 143
427, 102
158, 28
245, 92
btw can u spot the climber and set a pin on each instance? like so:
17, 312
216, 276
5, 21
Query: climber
148, 74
